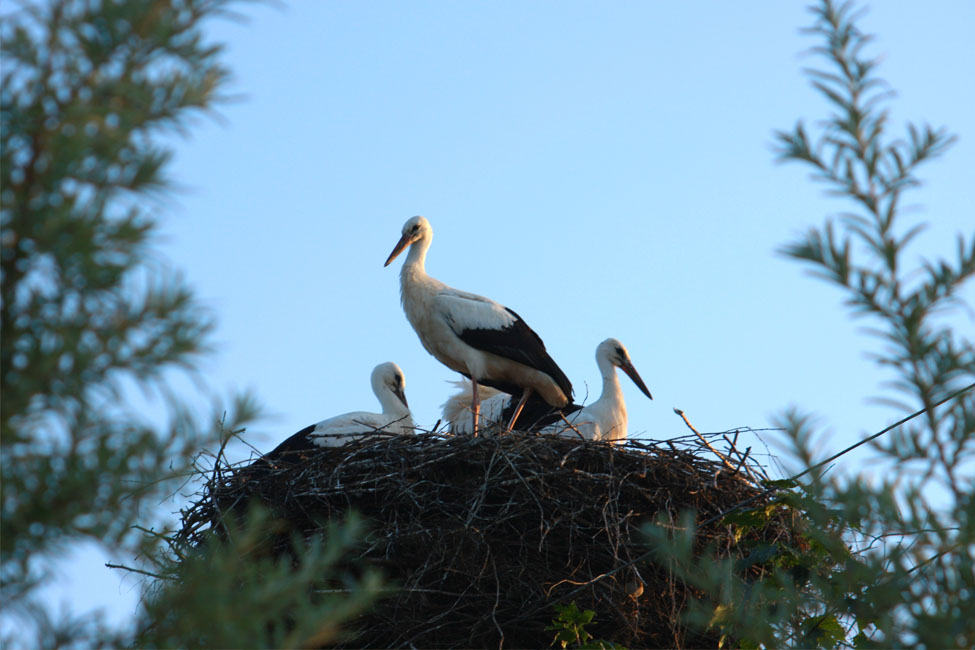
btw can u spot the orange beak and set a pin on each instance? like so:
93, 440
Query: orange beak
403, 242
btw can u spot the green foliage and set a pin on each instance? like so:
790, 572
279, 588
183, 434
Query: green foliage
89, 313
569, 626
779, 593
878, 563
233, 593
84, 313
84, 85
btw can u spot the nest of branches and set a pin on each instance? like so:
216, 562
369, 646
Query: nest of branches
483, 537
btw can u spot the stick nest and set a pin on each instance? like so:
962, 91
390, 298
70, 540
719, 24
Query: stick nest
481, 537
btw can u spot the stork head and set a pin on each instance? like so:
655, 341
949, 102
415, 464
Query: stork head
388, 381
614, 352
414, 230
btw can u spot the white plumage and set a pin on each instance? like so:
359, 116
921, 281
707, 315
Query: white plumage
388, 383
457, 408
605, 419
477, 337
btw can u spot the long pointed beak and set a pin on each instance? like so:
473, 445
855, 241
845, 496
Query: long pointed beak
403, 242
628, 368
398, 392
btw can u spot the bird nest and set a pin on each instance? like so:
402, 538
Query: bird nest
483, 537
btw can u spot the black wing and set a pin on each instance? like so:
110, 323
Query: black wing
520, 343
294, 448
537, 413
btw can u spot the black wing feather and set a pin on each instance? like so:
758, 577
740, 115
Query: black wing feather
537, 413
520, 343
294, 448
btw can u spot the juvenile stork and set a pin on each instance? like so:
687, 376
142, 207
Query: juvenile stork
388, 384
484, 341
605, 419
498, 407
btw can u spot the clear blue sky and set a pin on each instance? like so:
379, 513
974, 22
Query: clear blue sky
603, 169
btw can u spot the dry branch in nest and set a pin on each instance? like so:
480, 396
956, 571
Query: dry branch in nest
481, 537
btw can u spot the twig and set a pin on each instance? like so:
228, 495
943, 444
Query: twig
733, 447
769, 490
570, 425
134, 570
893, 426
704, 440
742, 462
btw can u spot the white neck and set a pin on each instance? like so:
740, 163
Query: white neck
390, 403
612, 392
417, 288
416, 258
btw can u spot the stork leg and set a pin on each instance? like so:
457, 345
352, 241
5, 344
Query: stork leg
521, 405
475, 406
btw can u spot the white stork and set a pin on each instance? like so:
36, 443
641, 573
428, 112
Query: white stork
605, 419
497, 407
388, 384
457, 408
484, 341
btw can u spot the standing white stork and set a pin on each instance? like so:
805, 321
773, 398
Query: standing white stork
484, 341
605, 419
388, 384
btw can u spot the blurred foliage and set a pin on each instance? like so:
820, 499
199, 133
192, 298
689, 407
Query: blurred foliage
90, 314
569, 626
882, 562
246, 596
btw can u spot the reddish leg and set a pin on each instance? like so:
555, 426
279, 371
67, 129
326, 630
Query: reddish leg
475, 406
521, 405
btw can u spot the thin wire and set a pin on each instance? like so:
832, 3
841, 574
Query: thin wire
880, 433
775, 488
771, 489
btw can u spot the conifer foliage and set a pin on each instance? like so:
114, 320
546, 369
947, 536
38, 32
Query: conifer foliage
87, 309
90, 311
883, 563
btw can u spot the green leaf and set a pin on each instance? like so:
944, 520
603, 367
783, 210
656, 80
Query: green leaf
823, 631
746, 518
722, 613
760, 555
782, 484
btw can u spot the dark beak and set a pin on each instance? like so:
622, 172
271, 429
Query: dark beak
628, 368
398, 392
403, 242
